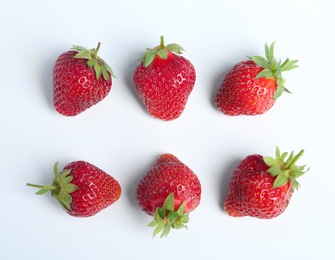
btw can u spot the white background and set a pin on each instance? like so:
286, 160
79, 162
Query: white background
120, 137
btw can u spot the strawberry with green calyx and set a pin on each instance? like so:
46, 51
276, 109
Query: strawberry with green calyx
82, 189
168, 191
262, 186
164, 80
252, 87
166, 217
81, 79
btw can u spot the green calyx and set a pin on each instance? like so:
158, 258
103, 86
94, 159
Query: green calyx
285, 170
100, 66
166, 218
273, 68
60, 189
161, 51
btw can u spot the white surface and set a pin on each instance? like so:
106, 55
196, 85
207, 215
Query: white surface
120, 137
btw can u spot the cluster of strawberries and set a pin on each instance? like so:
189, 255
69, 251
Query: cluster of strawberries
260, 186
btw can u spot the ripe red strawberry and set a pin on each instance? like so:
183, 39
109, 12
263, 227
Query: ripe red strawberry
262, 186
164, 81
82, 189
168, 191
77, 81
252, 87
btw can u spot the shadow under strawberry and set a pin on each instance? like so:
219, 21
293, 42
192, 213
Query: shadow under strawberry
131, 192
43, 73
128, 77
224, 182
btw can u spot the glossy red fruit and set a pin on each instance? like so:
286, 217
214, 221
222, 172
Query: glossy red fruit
82, 189
164, 81
168, 191
252, 87
81, 79
262, 187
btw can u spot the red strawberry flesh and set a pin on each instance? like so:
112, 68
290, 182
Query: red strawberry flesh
241, 93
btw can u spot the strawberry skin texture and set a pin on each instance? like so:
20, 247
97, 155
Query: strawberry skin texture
165, 85
96, 189
167, 175
251, 192
75, 86
241, 94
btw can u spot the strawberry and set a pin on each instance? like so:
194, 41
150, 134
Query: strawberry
168, 191
77, 81
164, 81
82, 189
262, 187
252, 87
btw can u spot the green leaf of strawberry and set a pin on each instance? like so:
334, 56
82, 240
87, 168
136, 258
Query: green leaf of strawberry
175, 48
285, 171
161, 51
163, 54
166, 218
100, 66
60, 189
260, 61
273, 68
289, 65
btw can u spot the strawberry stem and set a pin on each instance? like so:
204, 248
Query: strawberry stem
41, 186
161, 46
296, 158
95, 54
